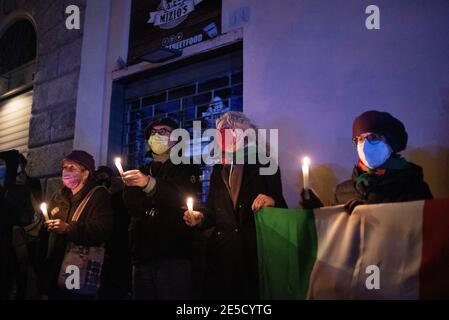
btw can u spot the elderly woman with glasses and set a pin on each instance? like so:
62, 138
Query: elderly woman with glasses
381, 174
237, 192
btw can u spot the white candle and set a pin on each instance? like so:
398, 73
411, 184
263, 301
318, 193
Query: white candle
305, 175
118, 164
190, 204
44, 211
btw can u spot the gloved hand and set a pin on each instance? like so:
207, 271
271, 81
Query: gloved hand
351, 204
312, 201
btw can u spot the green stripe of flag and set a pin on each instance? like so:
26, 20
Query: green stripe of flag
287, 248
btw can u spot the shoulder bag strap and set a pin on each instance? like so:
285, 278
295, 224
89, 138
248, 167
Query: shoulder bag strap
83, 203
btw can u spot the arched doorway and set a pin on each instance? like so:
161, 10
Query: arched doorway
17, 68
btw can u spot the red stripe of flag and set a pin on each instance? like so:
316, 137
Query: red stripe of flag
434, 271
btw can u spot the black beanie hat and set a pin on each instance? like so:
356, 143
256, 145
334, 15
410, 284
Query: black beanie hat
160, 122
82, 158
384, 124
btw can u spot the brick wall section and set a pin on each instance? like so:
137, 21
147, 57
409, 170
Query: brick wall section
56, 85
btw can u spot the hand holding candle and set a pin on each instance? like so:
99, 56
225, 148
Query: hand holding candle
118, 164
44, 211
192, 218
305, 174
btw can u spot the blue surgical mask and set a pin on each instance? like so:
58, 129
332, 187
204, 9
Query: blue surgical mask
373, 154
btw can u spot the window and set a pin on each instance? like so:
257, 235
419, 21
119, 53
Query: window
17, 56
196, 91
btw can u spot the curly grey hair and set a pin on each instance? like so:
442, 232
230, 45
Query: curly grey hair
234, 120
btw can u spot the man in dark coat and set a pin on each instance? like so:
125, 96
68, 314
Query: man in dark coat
93, 228
237, 192
161, 244
381, 174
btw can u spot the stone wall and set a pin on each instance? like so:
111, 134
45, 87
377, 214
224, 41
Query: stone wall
56, 84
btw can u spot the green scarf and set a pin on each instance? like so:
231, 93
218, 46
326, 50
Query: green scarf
395, 162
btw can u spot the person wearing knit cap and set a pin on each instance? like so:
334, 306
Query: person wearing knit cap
92, 228
381, 174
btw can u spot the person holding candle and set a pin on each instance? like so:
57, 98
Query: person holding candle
155, 195
237, 192
92, 228
381, 174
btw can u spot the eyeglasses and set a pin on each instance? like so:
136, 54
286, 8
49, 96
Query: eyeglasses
162, 132
373, 138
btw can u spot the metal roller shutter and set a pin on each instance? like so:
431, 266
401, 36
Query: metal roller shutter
15, 114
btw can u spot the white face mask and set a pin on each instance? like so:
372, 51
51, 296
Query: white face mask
159, 144
373, 154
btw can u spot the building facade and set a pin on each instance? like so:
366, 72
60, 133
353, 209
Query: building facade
49, 88
307, 68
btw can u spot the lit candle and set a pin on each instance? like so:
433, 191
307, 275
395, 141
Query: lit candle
118, 164
305, 175
190, 204
44, 211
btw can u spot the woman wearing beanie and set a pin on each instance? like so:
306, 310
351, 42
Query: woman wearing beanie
79, 214
381, 175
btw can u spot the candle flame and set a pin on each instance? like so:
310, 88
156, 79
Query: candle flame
190, 204
44, 211
306, 161
118, 164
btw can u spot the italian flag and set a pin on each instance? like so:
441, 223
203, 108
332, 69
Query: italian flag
328, 254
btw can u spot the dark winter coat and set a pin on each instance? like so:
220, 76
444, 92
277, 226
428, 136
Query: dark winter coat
157, 228
116, 273
232, 250
93, 228
396, 185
